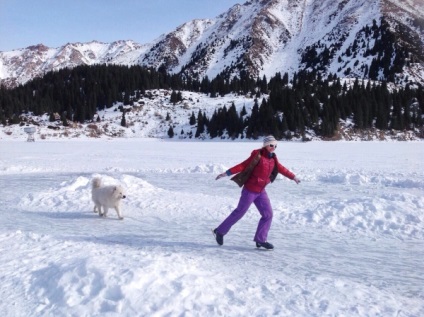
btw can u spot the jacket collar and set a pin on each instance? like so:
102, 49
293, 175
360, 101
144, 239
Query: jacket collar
267, 154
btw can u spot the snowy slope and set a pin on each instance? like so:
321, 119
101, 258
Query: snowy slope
147, 118
349, 238
351, 18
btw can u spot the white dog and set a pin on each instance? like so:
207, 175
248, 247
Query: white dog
106, 197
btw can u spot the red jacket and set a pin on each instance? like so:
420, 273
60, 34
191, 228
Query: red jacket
260, 176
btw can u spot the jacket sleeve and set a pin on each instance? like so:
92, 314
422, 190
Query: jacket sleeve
284, 171
240, 167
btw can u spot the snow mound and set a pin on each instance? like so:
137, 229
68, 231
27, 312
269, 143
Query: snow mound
200, 169
398, 180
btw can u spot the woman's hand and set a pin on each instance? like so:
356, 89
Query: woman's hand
296, 180
221, 175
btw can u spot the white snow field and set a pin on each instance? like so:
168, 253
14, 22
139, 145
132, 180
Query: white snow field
349, 239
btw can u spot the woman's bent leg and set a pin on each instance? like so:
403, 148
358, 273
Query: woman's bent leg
246, 199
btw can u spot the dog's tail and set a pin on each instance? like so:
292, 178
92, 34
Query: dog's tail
97, 182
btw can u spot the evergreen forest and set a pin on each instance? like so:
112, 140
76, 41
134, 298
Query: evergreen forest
283, 106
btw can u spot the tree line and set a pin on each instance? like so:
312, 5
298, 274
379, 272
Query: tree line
283, 106
308, 102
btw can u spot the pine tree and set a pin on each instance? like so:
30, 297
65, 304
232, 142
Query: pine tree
174, 97
232, 122
243, 111
123, 120
213, 126
171, 132
64, 120
192, 119
200, 124
252, 127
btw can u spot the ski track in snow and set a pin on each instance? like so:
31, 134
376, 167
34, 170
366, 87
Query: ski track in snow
349, 238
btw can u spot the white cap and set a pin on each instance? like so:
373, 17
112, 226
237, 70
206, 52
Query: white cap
269, 140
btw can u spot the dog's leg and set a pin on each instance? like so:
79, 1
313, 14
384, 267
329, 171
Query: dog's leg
105, 209
118, 212
95, 209
101, 213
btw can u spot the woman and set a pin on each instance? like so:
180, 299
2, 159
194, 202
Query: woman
254, 174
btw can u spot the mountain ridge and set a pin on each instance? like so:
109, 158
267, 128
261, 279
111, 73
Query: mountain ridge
260, 37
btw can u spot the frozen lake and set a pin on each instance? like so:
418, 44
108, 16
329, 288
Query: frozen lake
348, 239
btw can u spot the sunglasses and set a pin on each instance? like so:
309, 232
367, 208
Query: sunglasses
273, 146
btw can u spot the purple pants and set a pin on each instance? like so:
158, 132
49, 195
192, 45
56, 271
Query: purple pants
263, 204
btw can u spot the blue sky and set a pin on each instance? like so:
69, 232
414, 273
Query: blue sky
57, 22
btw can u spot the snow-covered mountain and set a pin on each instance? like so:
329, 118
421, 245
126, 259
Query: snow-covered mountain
260, 36
19, 66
